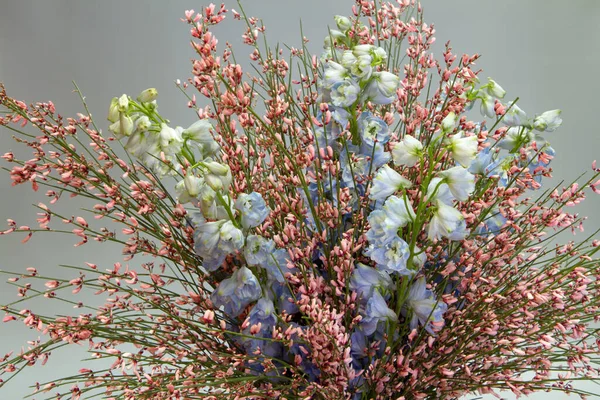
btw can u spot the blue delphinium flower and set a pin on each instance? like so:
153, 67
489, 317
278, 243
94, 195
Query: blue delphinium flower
384, 224
262, 313
344, 93
391, 257
213, 241
237, 292
283, 298
257, 249
481, 162
373, 129
253, 208
376, 311
276, 265
425, 309
365, 280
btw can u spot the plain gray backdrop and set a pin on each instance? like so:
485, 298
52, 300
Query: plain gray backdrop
546, 52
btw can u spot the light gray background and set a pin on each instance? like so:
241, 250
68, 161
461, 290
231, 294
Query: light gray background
547, 52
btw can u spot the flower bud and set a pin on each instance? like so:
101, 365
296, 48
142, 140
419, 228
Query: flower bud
218, 176
113, 110
123, 103
148, 95
343, 23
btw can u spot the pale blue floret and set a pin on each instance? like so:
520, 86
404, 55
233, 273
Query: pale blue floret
263, 312
391, 257
253, 208
365, 280
373, 129
426, 310
345, 93
257, 249
235, 293
376, 311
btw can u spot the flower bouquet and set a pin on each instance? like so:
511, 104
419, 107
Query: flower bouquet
334, 226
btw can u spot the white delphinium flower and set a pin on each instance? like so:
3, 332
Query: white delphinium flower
170, 140
460, 181
446, 222
495, 90
387, 182
548, 121
438, 190
363, 50
515, 116
381, 88
113, 110
487, 105
142, 124
334, 73
123, 103
407, 152
199, 132
449, 122
217, 176
362, 68
123, 127
188, 189
463, 149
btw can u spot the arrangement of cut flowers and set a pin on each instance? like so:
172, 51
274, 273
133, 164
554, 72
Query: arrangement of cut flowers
333, 226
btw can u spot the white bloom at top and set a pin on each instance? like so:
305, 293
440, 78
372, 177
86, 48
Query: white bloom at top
515, 116
548, 121
447, 222
218, 176
199, 131
460, 181
123, 127
113, 110
387, 182
494, 89
170, 140
123, 103
407, 152
449, 122
487, 105
438, 190
381, 88
188, 189
363, 49
463, 149
362, 68
343, 23
334, 73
